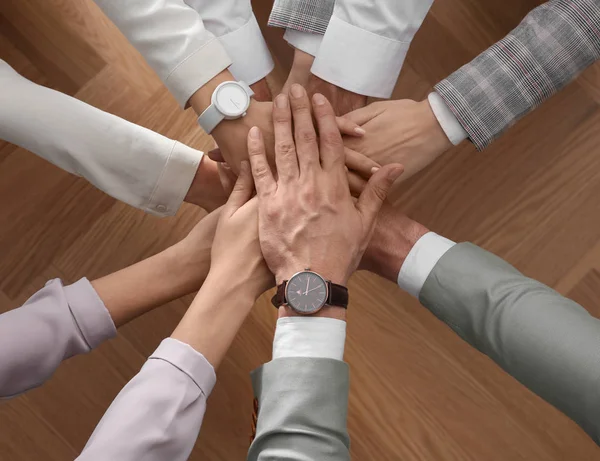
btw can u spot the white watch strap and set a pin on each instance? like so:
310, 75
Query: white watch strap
210, 118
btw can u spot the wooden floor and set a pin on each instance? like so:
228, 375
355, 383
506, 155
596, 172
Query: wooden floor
418, 392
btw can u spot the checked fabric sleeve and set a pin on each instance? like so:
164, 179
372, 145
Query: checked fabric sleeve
552, 45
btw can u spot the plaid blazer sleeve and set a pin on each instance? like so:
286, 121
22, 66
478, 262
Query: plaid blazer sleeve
553, 44
303, 15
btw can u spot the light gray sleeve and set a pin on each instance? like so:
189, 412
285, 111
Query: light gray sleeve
158, 414
56, 323
546, 341
302, 410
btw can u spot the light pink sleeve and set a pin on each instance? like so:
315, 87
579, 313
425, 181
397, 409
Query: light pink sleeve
56, 323
158, 414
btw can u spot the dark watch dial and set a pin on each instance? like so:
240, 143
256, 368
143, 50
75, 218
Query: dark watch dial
306, 292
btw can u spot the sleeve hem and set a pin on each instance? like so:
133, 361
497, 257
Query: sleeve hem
191, 362
447, 120
420, 262
358, 60
248, 51
90, 313
196, 70
174, 181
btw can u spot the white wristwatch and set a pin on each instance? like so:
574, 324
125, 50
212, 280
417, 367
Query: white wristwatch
230, 101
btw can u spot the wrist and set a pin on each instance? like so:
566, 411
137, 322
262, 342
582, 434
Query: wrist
435, 134
334, 275
202, 98
248, 280
206, 190
394, 236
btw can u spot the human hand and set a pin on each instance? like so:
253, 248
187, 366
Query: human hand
403, 131
231, 139
236, 253
342, 100
261, 89
307, 217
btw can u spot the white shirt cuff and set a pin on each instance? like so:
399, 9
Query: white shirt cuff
304, 41
312, 337
174, 181
197, 70
448, 121
248, 51
358, 60
421, 260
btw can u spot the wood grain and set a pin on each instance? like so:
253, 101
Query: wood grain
417, 391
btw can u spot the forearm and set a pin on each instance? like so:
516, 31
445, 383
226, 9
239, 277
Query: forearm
547, 342
153, 282
216, 314
553, 44
56, 323
132, 164
173, 39
158, 414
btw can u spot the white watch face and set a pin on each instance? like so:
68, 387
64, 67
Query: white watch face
231, 99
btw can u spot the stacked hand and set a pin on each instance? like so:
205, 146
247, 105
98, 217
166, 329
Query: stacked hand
403, 131
307, 216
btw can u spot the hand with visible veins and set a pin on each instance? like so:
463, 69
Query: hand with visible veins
307, 217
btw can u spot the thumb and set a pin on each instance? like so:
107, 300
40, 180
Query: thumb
376, 191
216, 155
242, 190
227, 177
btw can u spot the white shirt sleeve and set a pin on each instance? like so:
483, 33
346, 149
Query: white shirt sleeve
447, 120
235, 25
421, 260
365, 44
173, 39
129, 162
313, 337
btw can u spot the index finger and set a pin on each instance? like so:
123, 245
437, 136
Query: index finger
261, 171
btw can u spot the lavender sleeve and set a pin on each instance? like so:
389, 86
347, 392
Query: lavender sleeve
56, 323
158, 414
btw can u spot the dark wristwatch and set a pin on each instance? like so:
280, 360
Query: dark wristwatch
307, 292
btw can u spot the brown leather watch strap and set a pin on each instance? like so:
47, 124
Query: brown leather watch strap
338, 295
279, 299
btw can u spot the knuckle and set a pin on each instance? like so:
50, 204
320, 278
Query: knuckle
261, 171
332, 138
281, 116
285, 148
306, 136
380, 192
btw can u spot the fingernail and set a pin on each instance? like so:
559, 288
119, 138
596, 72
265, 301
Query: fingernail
374, 170
281, 101
360, 131
297, 91
255, 132
319, 99
395, 173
